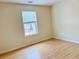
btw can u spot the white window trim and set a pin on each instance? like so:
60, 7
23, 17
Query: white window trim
36, 23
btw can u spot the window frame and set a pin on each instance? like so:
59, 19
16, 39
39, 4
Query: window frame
37, 28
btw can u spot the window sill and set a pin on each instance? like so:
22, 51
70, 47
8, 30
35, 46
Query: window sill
31, 34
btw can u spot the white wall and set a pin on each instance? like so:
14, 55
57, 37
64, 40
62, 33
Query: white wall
11, 27
65, 20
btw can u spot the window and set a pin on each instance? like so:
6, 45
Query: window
30, 22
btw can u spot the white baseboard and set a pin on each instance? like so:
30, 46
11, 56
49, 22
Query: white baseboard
5, 51
68, 37
20, 46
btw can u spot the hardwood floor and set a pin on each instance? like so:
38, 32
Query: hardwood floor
51, 49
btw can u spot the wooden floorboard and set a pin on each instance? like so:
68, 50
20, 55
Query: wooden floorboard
51, 49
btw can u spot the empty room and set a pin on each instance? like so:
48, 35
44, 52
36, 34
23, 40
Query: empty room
39, 29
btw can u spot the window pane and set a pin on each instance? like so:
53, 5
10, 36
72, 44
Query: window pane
30, 23
29, 16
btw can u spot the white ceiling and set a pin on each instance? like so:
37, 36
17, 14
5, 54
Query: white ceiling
35, 2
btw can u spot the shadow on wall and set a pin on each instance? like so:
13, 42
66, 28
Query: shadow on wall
69, 37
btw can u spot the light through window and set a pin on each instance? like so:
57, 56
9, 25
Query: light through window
30, 22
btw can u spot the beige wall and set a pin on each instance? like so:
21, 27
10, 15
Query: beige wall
65, 21
11, 27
